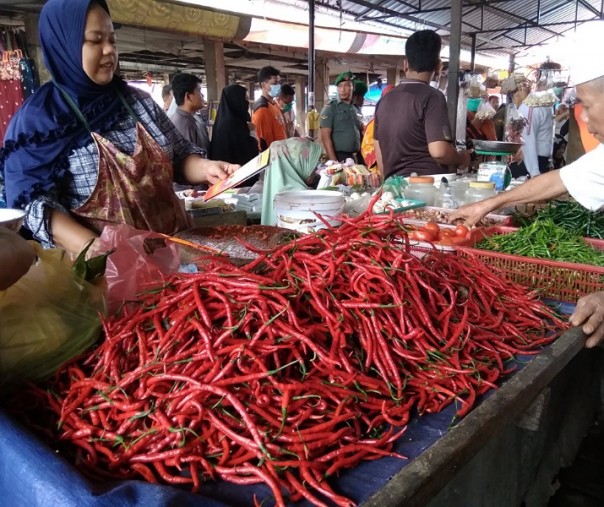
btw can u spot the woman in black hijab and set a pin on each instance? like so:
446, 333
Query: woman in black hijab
231, 139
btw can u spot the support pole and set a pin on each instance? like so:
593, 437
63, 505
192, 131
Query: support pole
311, 54
455, 45
473, 53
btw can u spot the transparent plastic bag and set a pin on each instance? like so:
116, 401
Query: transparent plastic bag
515, 124
140, 262
485, 111
49, 316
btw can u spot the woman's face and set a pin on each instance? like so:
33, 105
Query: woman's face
99, 53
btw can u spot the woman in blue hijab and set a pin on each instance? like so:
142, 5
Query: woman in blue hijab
86, 149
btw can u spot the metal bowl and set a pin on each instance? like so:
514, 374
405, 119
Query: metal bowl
496, 146
12, 219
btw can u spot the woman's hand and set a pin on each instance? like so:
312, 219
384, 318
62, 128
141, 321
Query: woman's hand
217, 170
197, 170
589, 314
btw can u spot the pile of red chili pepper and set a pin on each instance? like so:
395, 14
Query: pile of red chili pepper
302, 363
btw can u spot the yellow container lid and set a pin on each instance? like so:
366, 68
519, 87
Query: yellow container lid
489, 185
421, 179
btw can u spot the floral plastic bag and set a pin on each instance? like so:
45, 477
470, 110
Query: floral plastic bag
514, 125
140, 261
48, 317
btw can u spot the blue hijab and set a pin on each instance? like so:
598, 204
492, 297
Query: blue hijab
45, 130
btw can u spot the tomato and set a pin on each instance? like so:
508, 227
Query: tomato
412, 235
446, 241
424, 235
461, 230
445, 233
458, 240
433, 227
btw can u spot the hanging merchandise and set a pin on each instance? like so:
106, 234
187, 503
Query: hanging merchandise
514, 125
17, 79
543, 93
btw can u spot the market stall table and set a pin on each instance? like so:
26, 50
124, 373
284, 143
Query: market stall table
442, 461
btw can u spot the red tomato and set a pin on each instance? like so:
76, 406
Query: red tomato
424, 235
461, 230
458, 240
445, 233
412, 235
433, 227
446, 241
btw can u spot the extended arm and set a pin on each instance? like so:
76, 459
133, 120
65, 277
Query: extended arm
542, 188
445, 154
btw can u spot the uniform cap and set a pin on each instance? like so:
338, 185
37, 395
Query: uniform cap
360, 88
344, 76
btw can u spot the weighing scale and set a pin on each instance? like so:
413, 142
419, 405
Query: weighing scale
499, 150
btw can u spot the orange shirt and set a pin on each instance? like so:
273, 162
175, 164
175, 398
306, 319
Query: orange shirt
269, 122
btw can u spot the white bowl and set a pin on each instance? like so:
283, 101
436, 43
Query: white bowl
296, 209
11, 218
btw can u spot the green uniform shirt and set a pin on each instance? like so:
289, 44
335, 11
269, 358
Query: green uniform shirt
345, 123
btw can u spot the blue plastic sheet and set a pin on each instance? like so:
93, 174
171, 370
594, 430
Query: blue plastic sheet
33, 475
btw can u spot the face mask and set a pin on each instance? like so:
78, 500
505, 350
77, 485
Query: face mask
434, 84
287, 107
275, 89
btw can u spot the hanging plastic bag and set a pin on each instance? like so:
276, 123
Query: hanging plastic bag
462, 111
485, 111
140, 262
49, 316
514, 124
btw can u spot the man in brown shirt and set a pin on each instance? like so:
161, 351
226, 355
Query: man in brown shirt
412, 130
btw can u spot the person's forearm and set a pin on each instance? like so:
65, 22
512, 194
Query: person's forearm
328, 145
450, 156
69, 234
541, 188
192, 170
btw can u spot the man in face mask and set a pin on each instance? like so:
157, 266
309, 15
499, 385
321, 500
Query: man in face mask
266, 114
285, 100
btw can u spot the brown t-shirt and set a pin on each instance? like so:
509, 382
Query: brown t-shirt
410, 117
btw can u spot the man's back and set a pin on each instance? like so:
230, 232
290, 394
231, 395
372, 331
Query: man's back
410, 117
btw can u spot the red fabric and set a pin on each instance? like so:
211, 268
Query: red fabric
134, 189
11, 98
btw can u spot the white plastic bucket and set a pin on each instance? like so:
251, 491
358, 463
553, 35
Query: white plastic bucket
296, 209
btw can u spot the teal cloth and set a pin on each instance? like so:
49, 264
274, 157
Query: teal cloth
292, 162
473, 104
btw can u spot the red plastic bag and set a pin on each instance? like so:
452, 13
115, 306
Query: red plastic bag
140, 262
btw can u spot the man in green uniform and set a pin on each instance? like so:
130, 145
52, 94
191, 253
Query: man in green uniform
340, 122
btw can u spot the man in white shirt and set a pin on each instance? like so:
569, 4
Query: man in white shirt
583, 179
538, 137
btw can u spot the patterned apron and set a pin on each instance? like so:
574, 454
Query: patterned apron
132, 189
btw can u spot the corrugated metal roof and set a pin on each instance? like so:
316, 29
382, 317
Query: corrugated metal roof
500, 26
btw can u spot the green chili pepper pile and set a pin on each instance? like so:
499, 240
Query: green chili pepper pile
545, 240
570, 215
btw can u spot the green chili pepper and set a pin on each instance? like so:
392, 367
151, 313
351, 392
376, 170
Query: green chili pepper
545, 240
